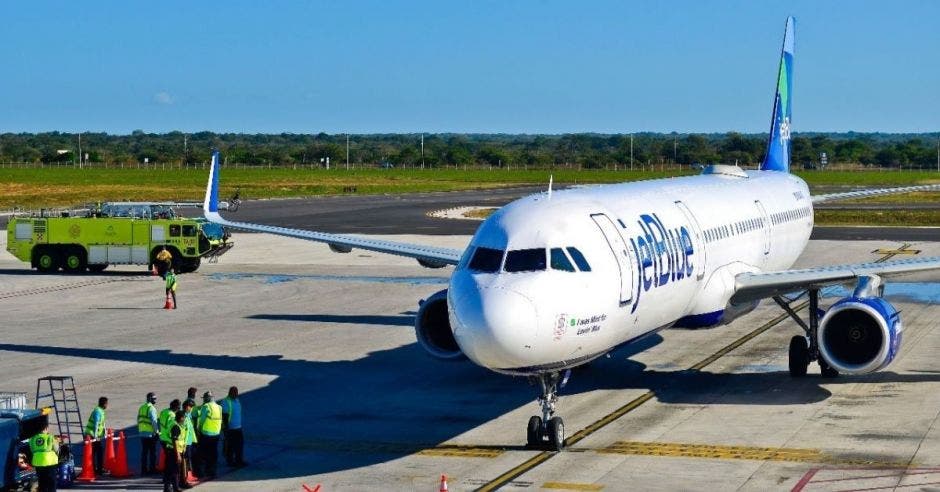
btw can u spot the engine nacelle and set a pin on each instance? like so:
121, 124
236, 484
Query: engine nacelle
859, 335
432, 328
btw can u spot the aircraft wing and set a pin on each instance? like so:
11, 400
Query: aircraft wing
832, 197
428, 256
755, 286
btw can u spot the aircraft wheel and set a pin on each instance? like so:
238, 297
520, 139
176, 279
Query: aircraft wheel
826, 370
556, 433
534, 431
799, 356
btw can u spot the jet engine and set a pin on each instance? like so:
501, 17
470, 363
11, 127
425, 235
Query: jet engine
859, 335
432, 327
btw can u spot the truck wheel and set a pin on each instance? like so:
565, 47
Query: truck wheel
47, 260
75, 260
189, 266
97, 268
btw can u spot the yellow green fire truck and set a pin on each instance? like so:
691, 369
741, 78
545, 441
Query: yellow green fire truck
121, 233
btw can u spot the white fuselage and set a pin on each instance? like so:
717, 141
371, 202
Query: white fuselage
659, 253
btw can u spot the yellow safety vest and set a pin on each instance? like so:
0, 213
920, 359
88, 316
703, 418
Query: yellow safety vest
144, 424
42, 446
180, 443
211, 421
96, 432
166, 419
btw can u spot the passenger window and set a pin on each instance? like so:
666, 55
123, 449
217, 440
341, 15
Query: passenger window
525, 260
175, 230
579, 259
189, 230
560, 261
486, 260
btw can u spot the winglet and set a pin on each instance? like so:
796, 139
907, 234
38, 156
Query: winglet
211, 203
778, 145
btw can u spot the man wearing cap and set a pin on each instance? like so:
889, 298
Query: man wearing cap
45, 452
210, 426
148, 428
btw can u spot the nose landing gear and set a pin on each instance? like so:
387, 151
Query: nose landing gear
548, 429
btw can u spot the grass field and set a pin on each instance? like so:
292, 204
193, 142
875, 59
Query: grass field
54, 187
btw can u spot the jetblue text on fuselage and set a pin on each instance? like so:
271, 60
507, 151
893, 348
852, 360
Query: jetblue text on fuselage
662, 255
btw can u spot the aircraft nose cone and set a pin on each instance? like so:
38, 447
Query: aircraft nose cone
495, 327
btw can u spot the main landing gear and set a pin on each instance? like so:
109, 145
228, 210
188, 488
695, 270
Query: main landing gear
805, 349
547, 428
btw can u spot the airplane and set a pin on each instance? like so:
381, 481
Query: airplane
555, 280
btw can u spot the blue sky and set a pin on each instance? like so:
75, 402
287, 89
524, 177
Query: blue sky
481, 66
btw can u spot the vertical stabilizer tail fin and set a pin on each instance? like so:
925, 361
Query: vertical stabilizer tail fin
778, 145
211, 203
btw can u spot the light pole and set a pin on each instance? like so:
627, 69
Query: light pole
422, 151
631, 151
347, 152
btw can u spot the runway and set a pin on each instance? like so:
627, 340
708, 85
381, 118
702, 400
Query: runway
336, 391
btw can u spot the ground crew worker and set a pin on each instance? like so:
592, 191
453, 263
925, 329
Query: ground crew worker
148, 427
194, 456
210, 426
171, 286
166, 421
232, 423
164, 261
96, 430
190, 440
173, 450
45, 451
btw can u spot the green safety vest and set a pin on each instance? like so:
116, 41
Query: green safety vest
42, 446
166, 419
190, 434
210, 422
144, 424
90, 429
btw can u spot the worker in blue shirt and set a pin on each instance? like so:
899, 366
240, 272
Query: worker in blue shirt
232, 426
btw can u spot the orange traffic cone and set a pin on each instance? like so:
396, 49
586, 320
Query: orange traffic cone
120, 465
443, 484
308, 489
169, 302
109, 457
153, 271
161, 460
88, 465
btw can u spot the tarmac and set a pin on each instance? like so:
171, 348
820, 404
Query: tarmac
337, 392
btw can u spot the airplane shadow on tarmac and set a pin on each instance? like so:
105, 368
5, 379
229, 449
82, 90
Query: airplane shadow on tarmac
328, 416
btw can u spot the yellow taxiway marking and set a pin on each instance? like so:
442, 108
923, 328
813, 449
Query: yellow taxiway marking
571, 486
900, 251
684, 450
722, 452
461, 451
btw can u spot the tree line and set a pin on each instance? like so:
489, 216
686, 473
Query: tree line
581, 150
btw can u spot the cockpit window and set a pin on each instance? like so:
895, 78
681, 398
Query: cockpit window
560, 261
486, 260
579, 259
525, 260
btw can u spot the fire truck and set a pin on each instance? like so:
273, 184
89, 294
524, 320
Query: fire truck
117, 233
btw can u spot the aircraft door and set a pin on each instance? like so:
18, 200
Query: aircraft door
699, 239
621, 252
766, 225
